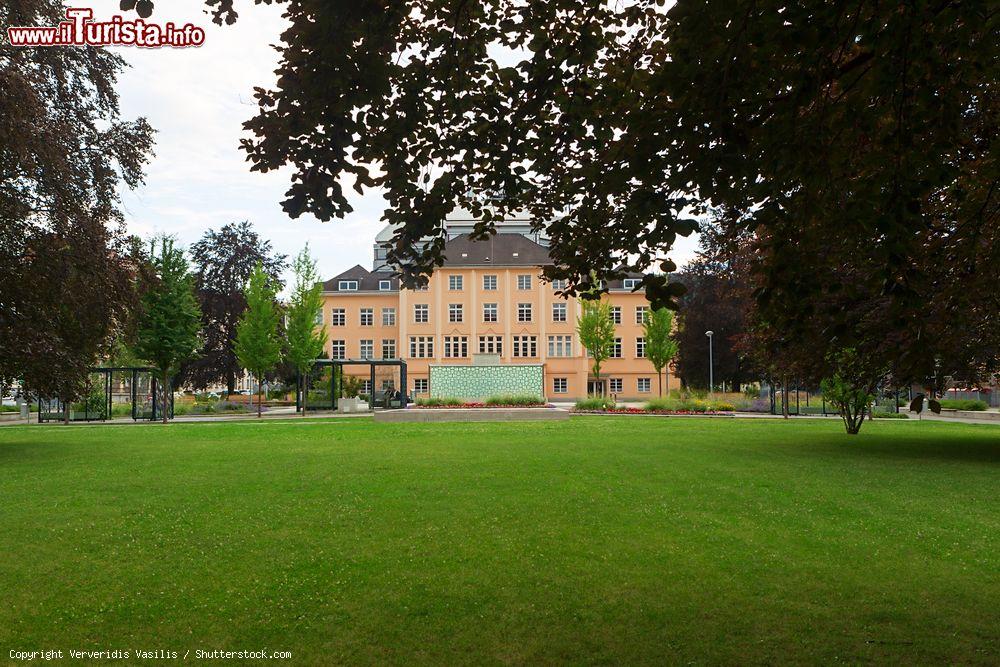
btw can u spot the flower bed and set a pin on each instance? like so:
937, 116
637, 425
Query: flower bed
640, 411
485, 406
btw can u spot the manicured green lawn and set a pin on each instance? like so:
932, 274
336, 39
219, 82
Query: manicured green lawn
601, 540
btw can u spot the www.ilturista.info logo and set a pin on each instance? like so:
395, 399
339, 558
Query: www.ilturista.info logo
82, 30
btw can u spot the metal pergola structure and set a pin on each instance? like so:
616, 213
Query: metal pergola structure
806, 401
53, 409
337, 376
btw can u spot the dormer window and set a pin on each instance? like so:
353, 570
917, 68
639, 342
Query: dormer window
631, 283
347, 286
384, 286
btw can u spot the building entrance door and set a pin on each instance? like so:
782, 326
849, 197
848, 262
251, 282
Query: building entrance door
595, 387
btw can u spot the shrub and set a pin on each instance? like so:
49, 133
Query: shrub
514, 399
595, 403
886, 414
438, 401
664, 404
963, 404
722, 406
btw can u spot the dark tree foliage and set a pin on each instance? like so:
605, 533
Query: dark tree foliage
857, 141
67, 274
223, 262
717, 300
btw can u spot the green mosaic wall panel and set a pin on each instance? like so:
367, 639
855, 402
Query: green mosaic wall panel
479, 382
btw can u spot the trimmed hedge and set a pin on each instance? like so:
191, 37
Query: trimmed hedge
963, 404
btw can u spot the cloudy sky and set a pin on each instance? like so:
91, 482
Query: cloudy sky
197, 99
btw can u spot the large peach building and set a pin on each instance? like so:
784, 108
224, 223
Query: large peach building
487, 299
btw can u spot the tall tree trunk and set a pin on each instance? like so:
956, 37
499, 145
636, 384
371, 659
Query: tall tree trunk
784, 397
258, 400
230, 384
659, 380
163, 390
305, 394
65, 407
667, 371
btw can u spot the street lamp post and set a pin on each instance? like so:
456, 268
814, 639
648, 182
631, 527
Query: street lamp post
711, 375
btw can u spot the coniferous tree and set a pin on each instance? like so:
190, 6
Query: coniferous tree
170, 322
258, 345
304, 339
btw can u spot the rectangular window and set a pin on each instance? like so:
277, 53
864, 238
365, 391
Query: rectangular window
419, 385
421, 347
388, 348
631, 283
560, 346
616, 349
366, 387
338, 349
558, 285
384, 286
388, 317
490, 345
489, 283
615, 385
642, 384
367, 317
616, 314
367, 348
524, 281
455, 283
640, 347
338, 317
456, 347
560, 385
641, 313
421, 313
489, 312
348, 285
319, 316
525, 346
559, 311
454, 312
388, 385
524, 312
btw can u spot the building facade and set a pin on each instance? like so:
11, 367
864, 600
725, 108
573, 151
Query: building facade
487, 299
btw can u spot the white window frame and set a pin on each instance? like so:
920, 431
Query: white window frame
338, 349
640, 347
493, 308
367, 314
616, 385
338, 314
347, 286
384, 285
616, 349
388, 317
559, 311
615, 312
456, 282
456, 313
524, 281
421, 385
421, 347
641, 313
560, 385
525, 347
389, 345
631, 283
421, 313
561, 345
456, 347
370, 344
525, 309
491, 345
558, 285
639, 382
490, 282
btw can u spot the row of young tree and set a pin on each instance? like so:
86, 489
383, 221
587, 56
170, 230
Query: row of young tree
173, 333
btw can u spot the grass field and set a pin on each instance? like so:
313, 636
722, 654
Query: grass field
600, 540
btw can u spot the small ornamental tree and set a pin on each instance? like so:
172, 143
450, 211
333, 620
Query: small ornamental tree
169, 326
596, 331
661, 348
304, 339
257, 344
851, 388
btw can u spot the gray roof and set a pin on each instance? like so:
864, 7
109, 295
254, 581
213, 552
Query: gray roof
368, 281
498, 250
